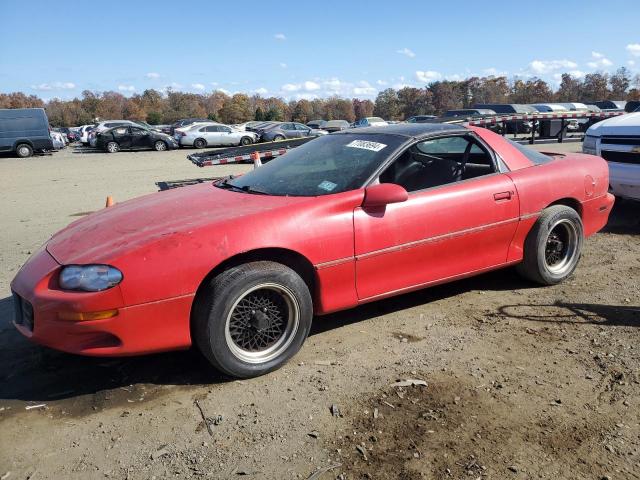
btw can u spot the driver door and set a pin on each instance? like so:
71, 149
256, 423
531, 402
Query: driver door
444, 230
140, 138
122, 135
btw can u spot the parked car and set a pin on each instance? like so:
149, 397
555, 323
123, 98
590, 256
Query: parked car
335, 125
133, 137
240, 266
185, 122
468, 112
514, 126
317, 124
84, 133
617, 140
611, 105
421, 118
72, 135
24, 131
246, 125
283, 130
549, 107
58, 140
370, 122
208, 135
104, 126
632, 106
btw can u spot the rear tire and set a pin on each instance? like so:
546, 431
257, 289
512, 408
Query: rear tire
24, 150
251, 319
112, 147
200, 143
553, 247
160, 146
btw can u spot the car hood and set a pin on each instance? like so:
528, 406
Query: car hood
115, 231
628, 124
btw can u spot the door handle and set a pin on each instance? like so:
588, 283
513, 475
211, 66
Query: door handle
502, 196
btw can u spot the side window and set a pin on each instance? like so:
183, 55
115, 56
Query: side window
138, 131
120, 131
288, 126
225, 129
439, 161
211, 128
301, 127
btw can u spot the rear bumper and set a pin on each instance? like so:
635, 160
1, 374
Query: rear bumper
136, 329
595, 213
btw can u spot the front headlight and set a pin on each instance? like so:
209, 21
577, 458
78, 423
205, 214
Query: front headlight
89, 278
589, 143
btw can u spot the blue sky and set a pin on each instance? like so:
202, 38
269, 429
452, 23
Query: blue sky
58, 49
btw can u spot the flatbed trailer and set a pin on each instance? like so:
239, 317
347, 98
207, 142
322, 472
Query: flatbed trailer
267, 151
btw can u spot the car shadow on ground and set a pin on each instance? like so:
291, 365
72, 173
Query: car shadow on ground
564, 312
624, 218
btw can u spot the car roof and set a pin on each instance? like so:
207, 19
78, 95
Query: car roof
409, 130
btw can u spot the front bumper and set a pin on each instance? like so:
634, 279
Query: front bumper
624, 179
136, 329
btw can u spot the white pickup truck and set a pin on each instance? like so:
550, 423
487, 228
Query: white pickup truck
617, 140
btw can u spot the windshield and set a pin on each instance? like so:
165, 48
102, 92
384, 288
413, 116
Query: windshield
328, 164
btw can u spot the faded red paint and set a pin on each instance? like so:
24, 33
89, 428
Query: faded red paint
166, 243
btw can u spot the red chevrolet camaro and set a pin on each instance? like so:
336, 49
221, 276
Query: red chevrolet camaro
241, 266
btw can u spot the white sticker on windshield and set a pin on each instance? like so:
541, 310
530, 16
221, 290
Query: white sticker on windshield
367, 145
327, 185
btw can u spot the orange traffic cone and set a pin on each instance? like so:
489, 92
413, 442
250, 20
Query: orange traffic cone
255, 156
110, 201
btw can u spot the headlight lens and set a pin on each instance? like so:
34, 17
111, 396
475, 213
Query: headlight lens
589, 143
89, 278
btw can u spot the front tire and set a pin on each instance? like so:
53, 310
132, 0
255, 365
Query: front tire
24, 150
160, 146
278, 138
251, 319
553, 247
112, 147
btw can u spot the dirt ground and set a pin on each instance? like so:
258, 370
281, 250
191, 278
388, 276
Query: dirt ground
521, 382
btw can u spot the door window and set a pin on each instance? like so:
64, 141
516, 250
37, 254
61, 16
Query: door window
439, 161
138, 132
120, 131
288, 126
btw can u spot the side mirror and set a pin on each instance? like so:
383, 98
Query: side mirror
384, 194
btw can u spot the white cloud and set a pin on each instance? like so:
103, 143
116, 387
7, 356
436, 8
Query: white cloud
364, 88
599, 61
198, 86
225, 91
548, 66
261, 91
634, 49
290, 87
631, 63
407, 52
215, 84
382, 83
426, 76
152, 75
283, 65
310, 86
305, 96
280, 36
126, 88
54, 86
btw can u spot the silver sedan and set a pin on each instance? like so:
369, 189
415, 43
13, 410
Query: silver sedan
201, 136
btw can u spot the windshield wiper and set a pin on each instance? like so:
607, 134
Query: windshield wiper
246, 188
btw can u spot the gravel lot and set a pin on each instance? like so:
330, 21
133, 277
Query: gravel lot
522, 382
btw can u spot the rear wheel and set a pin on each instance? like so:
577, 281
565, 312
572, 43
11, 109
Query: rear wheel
200, 143
553, 247
252, 318
160, 146
112, 147
246, 141
24, 150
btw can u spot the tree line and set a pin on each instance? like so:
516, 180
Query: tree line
156, 108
